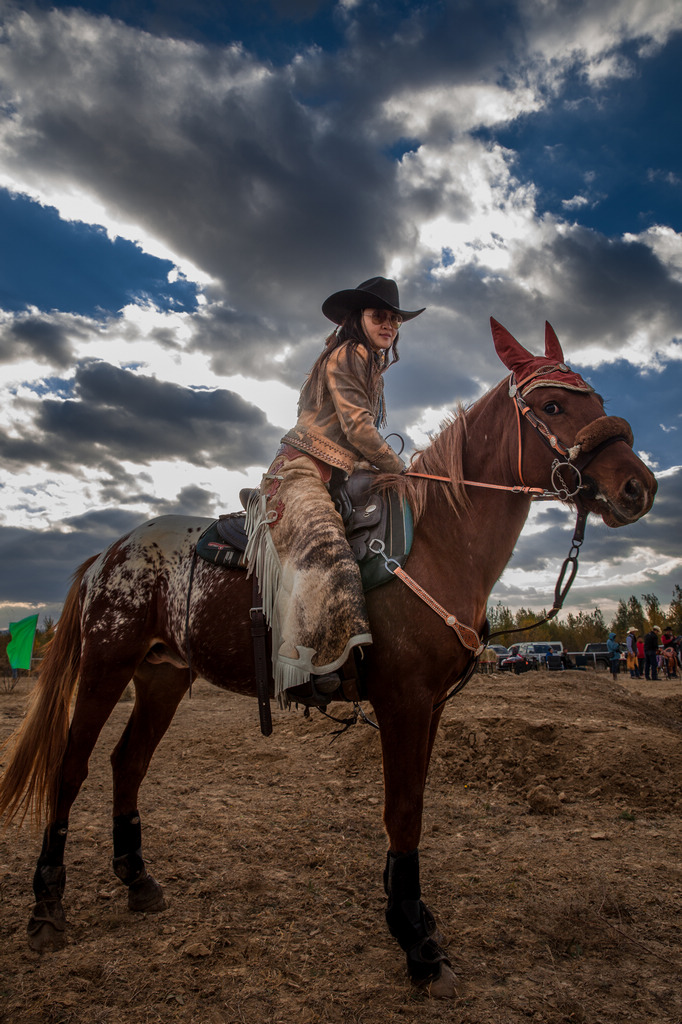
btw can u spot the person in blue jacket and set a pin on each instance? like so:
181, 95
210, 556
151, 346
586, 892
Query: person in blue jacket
613, 648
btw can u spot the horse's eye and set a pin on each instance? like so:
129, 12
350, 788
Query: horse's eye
552, 409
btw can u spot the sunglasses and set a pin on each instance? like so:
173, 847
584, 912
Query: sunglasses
380, 316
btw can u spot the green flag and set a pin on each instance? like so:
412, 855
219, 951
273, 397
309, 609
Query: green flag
20, 647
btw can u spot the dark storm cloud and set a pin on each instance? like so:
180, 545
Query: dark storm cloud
648, 551
605, 289
190, 501
540, 551
277, 180
657, 531
218, 157
660, 530
239, 343
124, 489
47, 338
119, 415
238, 167
425, 376
37, 564
593, 290
423, 45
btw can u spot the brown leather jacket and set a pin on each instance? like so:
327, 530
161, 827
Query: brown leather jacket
340, 429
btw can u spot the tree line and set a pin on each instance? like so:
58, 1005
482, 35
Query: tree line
574, 631
588, 627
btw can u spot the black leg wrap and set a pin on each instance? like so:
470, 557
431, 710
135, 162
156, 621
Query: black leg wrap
47, 922
50, 875
54, 842
127, 862
48, 882
409, 920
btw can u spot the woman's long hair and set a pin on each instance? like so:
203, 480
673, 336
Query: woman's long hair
352, 334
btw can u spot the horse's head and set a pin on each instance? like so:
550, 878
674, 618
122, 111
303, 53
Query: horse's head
595, 450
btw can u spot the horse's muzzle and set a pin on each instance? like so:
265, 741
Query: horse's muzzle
618, 501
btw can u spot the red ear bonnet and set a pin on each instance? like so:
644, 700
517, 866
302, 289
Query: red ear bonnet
552, 345
513, 355
536, 371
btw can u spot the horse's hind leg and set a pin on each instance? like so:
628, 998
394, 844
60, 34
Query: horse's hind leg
97, 696
158, 691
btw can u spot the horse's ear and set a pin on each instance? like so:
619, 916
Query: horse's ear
507, 347
552, 344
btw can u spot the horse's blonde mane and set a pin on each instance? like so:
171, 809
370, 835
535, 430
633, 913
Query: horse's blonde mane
441, 457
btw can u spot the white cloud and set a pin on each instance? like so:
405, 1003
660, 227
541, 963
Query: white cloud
460, 107
663, 473
590, 32
483, 213
575, 203
665, 243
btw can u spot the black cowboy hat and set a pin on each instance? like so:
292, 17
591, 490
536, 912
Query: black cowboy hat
377, 293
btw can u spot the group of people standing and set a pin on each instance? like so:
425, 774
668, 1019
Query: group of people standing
658, 651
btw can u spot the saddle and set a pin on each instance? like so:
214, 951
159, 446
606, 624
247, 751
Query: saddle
367, 515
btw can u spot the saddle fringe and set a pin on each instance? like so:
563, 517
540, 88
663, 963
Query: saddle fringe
262, 558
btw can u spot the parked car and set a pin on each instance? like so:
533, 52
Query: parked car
536, 652
599, 654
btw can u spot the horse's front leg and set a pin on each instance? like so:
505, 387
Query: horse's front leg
407, 735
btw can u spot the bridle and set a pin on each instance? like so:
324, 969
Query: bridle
576, 458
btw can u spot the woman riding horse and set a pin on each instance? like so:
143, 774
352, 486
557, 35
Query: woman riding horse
310, 582
541, 431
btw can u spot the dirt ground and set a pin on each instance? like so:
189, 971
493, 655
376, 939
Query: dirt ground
550, 856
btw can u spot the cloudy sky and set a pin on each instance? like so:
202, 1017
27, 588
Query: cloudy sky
182, 184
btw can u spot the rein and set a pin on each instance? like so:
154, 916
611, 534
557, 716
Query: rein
517, 489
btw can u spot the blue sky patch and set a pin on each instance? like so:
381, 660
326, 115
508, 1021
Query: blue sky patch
273, 30
73, 267
625, 391
616, 149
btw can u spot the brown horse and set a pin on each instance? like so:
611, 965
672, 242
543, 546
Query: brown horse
538, 429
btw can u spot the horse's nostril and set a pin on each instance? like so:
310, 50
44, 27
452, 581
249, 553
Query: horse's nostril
633, 489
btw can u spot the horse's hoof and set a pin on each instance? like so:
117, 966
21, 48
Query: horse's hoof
146, 896
46, 928
443, 985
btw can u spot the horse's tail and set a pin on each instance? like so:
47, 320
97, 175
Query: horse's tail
30, 782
